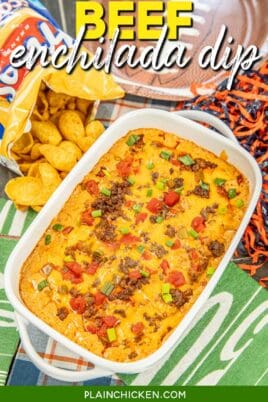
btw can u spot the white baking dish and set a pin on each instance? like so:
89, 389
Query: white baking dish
150, 118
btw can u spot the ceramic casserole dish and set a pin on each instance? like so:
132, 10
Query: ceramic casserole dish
143, 118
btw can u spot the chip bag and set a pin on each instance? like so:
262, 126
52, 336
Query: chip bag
46, 115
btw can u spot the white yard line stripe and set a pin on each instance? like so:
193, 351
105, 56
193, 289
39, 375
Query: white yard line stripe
5, 355
261, 377
17, 224
221, 337
4, 213
62, 14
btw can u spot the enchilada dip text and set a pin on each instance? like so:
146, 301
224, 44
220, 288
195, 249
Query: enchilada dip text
135, 244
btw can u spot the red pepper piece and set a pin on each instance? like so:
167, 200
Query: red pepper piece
124, 167
198, 224
165, 266
110, 321
92, 329
67, 230
99, 298
155, 205
129, 239
92, 187
76, 268
176, 245
78, 304
171, 198
176, 278
147, 255
134, 274
87, 218
92, 267
137, 328
141, 217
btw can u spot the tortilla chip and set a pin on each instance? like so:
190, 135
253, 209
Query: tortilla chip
46, 132
71, 125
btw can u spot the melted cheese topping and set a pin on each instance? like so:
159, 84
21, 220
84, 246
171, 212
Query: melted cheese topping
119, 283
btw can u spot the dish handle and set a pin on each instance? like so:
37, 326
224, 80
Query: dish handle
50, 370
213, 121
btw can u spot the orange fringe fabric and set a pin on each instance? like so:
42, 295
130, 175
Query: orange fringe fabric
245, 110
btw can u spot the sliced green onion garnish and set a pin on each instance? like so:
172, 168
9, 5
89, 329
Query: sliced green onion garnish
145, 274
167, 298
193, 233
232, 193
68, 258
239, 203
106, 192
165, 155
149, 193
111, 334
106, 172
47, 239
107, 288
57, 227
137, 208
203, 185
140, 249
132, 140
210, 271
131, 180
219, 182
165, 288
124, 230
97, 213
169, 243
187, 160
179, 190
161, 185
159, 219
42, 285
150, 165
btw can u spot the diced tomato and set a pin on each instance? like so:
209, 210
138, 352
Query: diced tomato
129, 204
171, 198
110, 321
165, 266
198, 224
92, 187
112, 245
92, 267
124, 166
176, 278
67, 230
102, 331
92, 329
155, 206
193, 254
176, 245
175, 162
70, 276
87, 218
147, 255
137, 328
141, 217
129, 239
76, 268
134, 274
78, 304
99, 298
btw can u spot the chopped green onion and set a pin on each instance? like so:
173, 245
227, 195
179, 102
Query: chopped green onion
169, 243
166, 155
107, 288
167, 298
68, 258
145, 274
124, 230
203, 185
47, 239
106, 192
149, 193
137, 208
97, 213
240, 203
187, 160
106, 172
57, 227
140, 249
111, 334
232, 193
150, 165
132, 140
179, 190
159, 219
161, 185
222, 211
210, 271
42, 285
131, 180
193, 233
165, 288
219, 182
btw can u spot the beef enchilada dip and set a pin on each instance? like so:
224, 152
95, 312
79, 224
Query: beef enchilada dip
135, 244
